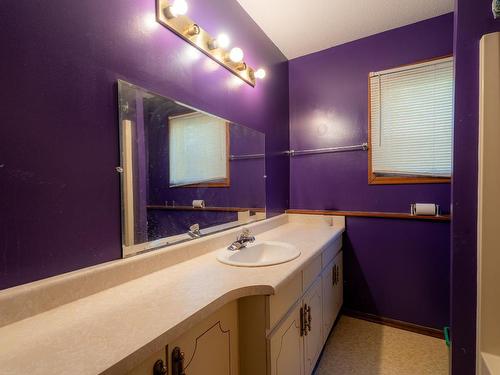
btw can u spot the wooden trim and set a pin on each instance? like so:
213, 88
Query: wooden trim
212, 209
385, 180
423, 61
384, 215
373, 179
427, 331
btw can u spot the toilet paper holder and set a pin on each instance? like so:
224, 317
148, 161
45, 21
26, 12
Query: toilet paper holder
414, 209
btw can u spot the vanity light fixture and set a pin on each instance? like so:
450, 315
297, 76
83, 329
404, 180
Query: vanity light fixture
242, 66
172, 15
236, 55
178, 8
222, 41
193, 30
260, 73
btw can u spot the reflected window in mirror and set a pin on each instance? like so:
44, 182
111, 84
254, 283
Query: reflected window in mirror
199, 151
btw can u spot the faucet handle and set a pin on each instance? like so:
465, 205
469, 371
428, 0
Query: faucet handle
246, 235
194, 228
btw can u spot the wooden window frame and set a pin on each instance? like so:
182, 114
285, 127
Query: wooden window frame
373, 179
224, 183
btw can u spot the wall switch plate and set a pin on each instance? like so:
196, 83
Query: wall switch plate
495, 6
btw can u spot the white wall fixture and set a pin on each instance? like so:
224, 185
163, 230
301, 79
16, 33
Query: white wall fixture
495, 7
172, 15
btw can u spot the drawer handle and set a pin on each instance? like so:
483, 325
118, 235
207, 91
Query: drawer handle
309, 318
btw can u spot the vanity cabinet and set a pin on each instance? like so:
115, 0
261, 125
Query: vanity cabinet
280, 334
296, 343
208, 348
313, 333
284, 334
333, 293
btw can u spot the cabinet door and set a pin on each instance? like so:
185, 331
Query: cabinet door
286, 351
329, 300
211, 347
313, 341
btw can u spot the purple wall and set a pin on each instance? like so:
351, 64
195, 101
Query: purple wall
328, 107
59, 191
473, 18
398, 269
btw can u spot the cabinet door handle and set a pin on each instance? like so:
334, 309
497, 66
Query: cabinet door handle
309, 317
177, 362
303, 331
159, 368
305, 320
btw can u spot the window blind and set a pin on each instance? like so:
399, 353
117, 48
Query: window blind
198, 151
412, 120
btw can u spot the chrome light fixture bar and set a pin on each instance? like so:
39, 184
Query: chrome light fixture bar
169, 16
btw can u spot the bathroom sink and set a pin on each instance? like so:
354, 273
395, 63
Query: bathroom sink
259, 254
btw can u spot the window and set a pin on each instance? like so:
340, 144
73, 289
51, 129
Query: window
198, 150
411, 123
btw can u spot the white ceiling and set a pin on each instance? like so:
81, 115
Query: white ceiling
300, 27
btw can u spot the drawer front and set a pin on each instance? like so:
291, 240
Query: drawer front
311, 272
330, 252
283, 300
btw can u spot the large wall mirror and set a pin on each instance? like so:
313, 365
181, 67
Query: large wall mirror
185, 173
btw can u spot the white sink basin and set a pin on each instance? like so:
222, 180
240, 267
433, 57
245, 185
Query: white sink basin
259, 254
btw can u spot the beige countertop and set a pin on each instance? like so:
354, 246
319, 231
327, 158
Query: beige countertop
111, 330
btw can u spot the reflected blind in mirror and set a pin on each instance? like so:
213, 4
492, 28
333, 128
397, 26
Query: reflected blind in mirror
411, 119
198, 151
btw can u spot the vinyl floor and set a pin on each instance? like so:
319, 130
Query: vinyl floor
358, 347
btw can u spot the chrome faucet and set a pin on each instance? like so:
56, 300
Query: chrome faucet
243, 239
194, 231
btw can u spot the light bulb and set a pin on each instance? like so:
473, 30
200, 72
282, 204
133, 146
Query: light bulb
178, 8
260, 73
236, 55
223, 41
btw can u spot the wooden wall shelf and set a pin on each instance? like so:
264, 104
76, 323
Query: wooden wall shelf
209, 209
384, 215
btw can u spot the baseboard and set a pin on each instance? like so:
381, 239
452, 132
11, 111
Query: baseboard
433, 332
